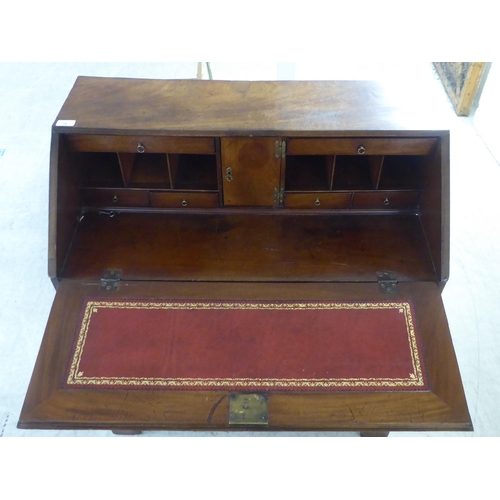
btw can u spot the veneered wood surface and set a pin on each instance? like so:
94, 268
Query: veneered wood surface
224, 252
255, 171
386, 199
443, 407
435, 207
318, 200
247, 247
351, 146
229, 108
150, 144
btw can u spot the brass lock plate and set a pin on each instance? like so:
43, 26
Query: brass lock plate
248, 409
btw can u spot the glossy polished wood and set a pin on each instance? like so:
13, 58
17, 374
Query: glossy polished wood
139, 184
150, 144
443, 407
353, 146
254, 176
246, 247
229, 108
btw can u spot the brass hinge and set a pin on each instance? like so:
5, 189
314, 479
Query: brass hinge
110, 280
387, 282
248, 409
279, 149
278, 195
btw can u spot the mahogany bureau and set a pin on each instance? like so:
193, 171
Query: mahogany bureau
246, 255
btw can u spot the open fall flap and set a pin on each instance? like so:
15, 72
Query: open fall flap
158, 355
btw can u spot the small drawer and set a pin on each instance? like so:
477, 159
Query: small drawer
360, 146
183, 199
386, 199
140, 144
318, 200
103, 197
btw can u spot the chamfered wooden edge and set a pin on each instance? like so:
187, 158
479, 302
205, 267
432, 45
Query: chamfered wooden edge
236, 108
49, 406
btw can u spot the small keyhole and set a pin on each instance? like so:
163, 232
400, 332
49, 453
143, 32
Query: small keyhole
115, 199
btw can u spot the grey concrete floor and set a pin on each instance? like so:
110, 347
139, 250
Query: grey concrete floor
31, 95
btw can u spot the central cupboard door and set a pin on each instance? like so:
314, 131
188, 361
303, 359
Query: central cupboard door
251, 171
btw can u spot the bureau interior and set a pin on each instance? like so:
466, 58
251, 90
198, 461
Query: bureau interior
348, 172
149, 170
109, 217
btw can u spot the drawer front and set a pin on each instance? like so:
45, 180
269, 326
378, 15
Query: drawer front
386, 199
360, 146
140, 144
183, 199
100, 197
319, 200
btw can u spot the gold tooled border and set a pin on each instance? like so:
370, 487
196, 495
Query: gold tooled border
415, 379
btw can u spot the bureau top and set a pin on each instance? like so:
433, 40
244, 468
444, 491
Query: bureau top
242, 108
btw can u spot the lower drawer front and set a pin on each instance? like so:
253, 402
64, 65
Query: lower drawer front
318, 200
386, 199
100, 197
184, 199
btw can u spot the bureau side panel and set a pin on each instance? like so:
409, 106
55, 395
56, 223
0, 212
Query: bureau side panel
435, 206
64, 203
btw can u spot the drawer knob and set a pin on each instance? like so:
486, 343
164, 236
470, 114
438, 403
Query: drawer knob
115, 199
317, 202
361, 150
140, 147
184, 203
386, 201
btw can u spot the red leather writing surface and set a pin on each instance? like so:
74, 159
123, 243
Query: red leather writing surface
244, 345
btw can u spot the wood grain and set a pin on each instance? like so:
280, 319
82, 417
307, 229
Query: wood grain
441, 408
224, 108
246, 247
238, 240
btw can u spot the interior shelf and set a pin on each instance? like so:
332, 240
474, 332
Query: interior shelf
101, 170
308, 173
352, 173
401, 172
193, 172
230, 247
149, 170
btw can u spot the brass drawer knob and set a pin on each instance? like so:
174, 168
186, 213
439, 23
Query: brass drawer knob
184, 203
140, 147
361, 150
386, 201
317, 202
115, 199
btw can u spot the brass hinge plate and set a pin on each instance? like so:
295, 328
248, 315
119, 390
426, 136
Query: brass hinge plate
387, 282
278, 195
248, 409
110, 280
279, 149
